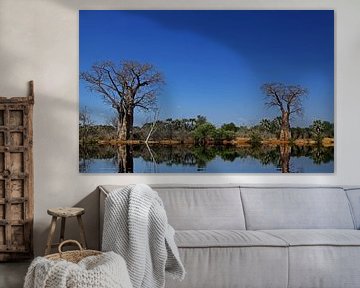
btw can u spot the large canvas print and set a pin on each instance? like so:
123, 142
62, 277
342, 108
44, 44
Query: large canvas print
246, 91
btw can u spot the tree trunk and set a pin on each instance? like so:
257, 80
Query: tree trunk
125, 125
285, 134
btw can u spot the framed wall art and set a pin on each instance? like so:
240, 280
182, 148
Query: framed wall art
232, 91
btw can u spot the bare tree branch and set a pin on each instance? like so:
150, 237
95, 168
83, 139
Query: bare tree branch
125, 87
288, 99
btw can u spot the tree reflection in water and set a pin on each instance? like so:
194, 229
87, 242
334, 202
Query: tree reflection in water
199, 156
125, 159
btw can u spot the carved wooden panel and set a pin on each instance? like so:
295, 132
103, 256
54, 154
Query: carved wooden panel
16, 177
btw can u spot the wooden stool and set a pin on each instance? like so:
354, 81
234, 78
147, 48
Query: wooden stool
64, 213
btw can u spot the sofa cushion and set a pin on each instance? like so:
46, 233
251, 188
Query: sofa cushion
296, 208
199, 207
220, 267
226, 238
322, 258
354, 198
324, 266
204, 208
317, 237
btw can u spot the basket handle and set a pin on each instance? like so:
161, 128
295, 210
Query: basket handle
69, 241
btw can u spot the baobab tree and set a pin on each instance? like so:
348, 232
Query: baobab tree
287, 98
125, 87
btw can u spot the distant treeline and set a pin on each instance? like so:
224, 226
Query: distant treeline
200, 131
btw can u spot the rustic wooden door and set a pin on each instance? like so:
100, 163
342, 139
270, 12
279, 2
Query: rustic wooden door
16, 177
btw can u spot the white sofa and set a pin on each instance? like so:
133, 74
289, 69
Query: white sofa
244, 236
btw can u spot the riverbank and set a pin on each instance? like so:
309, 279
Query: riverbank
327, 142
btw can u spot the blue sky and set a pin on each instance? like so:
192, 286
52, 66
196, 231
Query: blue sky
214, 62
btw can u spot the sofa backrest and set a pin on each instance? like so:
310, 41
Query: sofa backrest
203, 207
354, 198
296, 208
211, 207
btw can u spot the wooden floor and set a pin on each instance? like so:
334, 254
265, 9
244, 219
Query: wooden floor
12, 274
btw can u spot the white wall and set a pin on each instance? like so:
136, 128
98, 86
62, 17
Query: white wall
39, 41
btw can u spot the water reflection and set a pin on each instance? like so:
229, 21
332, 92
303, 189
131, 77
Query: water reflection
189, 158
125, 159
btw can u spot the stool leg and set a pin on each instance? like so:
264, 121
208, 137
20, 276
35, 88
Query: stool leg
51, 235
62, 230
82, 232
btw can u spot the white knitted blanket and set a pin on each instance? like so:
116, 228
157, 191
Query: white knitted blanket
103, 271
136, 227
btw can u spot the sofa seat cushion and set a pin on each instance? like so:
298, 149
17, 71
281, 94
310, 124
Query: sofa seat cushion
317, 237
225, 238
235, 267
323, 258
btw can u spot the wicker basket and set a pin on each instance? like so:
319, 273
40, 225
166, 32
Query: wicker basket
72, 256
